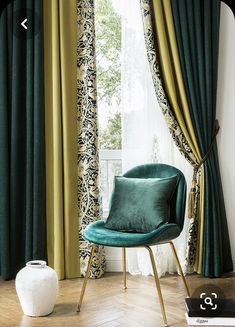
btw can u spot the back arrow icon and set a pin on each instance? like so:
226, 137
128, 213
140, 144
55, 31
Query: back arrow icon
23, 23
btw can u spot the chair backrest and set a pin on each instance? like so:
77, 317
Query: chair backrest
158, 170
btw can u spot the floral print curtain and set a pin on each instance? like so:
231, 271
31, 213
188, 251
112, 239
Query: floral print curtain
89, 205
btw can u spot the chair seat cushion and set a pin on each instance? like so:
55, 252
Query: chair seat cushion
140, 204
97, 233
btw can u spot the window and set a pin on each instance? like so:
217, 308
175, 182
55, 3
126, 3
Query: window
143, 134
108, 60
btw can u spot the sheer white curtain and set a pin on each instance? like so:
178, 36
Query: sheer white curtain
145, 135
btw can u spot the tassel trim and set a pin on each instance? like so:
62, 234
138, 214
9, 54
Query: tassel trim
192, 199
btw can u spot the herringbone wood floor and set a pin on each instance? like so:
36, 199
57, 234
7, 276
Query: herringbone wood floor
106, 304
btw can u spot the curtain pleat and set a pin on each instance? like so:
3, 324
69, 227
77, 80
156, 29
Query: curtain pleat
87, 129
171, 70
22, 142
61, 132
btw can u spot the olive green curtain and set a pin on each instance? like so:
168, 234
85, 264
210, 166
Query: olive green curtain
22, 144
61, 131
183, 60
197, 31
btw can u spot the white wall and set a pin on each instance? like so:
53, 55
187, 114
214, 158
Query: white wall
226, 137
226, 116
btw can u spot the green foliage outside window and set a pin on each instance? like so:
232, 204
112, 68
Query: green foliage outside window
108, 53
110, 138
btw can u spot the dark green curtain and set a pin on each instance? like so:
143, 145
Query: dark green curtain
197, 31
22, 148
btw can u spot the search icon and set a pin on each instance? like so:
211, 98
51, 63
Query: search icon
208, 301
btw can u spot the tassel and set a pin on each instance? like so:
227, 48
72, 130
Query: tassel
191, 199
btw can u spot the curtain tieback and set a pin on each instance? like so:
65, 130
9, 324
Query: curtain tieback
192, 193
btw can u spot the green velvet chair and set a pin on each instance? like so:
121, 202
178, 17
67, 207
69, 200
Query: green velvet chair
97, 234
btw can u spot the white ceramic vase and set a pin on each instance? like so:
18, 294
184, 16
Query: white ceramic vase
36, 286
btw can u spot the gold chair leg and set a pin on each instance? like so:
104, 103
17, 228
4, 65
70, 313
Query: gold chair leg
86, 277
124, 267
157, 284
180, 268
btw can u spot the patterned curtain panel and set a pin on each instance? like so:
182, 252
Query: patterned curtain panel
88, 156
206, 246
22, 142
60, 40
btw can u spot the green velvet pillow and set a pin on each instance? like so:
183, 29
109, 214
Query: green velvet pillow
140, 204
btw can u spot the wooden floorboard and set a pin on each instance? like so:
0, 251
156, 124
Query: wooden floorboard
106, 304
